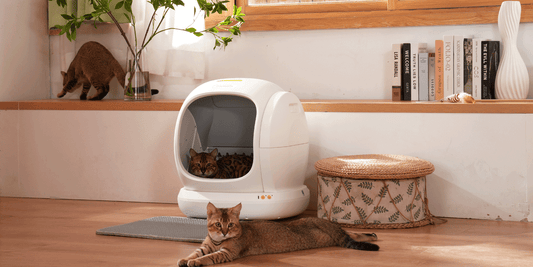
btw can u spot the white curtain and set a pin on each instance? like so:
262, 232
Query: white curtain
172, 53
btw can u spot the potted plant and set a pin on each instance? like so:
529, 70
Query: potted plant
137, 86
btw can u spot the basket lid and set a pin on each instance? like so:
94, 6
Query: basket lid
374, 166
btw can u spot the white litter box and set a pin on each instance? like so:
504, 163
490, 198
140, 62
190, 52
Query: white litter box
244, 116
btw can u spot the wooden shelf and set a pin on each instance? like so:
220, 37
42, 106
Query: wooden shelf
314, 105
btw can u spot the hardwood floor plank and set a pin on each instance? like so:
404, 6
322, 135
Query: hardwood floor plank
45, 232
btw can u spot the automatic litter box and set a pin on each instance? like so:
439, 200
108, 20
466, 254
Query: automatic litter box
253, 117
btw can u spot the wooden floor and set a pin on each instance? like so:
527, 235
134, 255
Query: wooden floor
40, 232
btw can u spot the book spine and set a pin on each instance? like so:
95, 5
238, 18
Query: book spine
490, 60
439, 69
485, 91
448, 84
431, 77
423, 76
406, 71
467, 66
458, 58
414, 72
396, 72
476, 68
494, 62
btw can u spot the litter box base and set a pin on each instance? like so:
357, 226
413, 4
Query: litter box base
261, 205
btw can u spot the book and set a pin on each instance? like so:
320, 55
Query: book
458, 64
406, 71
448, 84
490, 61
396, 71
431, 77
439, 70
423, 75
476, 68
414, 71
467, 65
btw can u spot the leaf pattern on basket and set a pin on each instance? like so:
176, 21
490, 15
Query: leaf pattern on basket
410, 188
417, 213
326, 200
347, 216
337, 210
397, 199
383, 191
348, 201
394, 217
348, 185
380, 209
368, 200
366, 185
363, 201
361, 212
337, 191
410, 207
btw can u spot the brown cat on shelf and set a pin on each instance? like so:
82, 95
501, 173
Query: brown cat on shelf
229, 239
93, 65
206, 165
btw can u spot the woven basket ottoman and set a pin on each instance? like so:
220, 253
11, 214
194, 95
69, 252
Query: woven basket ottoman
374, 191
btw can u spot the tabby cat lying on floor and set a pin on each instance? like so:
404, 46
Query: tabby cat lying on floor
230, 166
229, 239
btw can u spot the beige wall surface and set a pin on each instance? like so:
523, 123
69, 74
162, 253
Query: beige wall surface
24, 50
482, 161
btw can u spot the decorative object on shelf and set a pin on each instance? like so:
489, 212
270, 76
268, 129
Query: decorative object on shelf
137, 80
93, 65
512, 78
461, 97
231, 24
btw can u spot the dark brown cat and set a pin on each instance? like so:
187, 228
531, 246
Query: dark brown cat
229, 239
230, 166
93, 65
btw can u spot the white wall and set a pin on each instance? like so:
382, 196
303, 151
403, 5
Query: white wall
24, 64
483, 162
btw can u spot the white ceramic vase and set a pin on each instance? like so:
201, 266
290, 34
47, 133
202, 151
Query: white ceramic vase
512, 78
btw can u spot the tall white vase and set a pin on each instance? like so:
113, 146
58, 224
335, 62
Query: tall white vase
512, 79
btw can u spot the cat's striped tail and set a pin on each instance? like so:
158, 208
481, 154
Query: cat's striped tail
350, 243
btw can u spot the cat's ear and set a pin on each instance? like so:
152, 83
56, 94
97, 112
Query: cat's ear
236, 210
192, 153
63, 74
211, 209
214, 153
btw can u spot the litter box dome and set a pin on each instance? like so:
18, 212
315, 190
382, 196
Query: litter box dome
251, 117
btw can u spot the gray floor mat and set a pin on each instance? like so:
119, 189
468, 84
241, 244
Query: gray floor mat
163, 228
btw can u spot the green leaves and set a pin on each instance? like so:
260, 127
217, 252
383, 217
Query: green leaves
61, 3
223, 32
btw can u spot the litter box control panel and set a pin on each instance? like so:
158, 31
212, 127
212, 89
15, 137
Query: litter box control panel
265, 197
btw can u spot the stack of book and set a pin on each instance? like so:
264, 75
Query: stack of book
458, 64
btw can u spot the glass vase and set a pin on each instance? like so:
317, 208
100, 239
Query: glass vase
137, 84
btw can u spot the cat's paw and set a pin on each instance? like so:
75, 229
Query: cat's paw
194, 263
372, 236
182, 263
